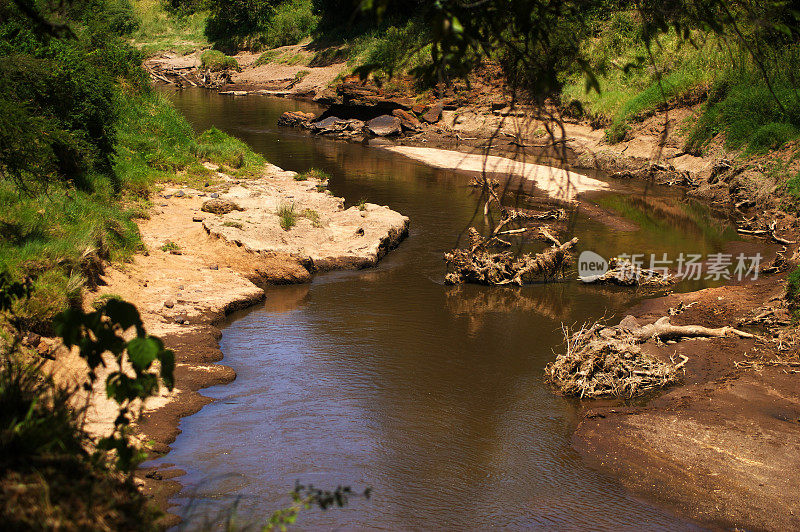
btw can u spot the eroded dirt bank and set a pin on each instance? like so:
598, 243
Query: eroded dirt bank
201, 266
720, 447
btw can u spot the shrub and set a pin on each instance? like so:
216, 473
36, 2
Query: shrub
289, 23
216, 61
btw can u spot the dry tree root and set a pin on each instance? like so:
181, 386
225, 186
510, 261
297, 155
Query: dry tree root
622, 272
480, 266
609, 361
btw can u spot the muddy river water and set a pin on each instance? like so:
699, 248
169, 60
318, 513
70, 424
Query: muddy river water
432, 395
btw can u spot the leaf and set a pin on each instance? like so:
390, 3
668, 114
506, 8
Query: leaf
142, 352
123, 313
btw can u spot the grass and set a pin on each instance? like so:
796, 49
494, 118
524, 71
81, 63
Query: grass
283, 57
215, 61
392, 49
288, 215
157, 144
229, 223
313, 173
740, 107
362, 204
60, 237
312, 216
160, 30
793, 292
300, 76
47, 477
170, 246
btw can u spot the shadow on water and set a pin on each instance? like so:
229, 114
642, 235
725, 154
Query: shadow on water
432, 395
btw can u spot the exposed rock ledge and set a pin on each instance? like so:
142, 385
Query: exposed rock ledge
325, 236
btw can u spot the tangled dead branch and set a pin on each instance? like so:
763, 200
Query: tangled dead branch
609, 361
481, 266
622, 272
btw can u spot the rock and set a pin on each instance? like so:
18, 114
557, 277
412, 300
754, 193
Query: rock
384, 126
179, 194
418, 109
326, 123
197, 218
169, 303
220, 206
407, 120
295, 118
214, 195
434, 113
213, 267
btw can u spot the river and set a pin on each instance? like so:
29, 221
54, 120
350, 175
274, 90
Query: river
432, 395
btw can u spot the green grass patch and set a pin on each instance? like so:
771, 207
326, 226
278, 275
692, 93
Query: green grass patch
362, 204
270, 56
312, 216
313, 173
170, 246
215, 61
751, 116
793, 292
229, 223
288, 215
160, 30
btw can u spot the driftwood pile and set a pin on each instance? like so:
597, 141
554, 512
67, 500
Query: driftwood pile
609, 361
622, 272
479, 265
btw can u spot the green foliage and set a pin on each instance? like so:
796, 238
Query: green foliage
377, 51
260, 24
179, 28
216, 61
104, 331
304, 497
47, 475
270, 56
220, 148
793, 292
169, 245
290, 22
362, 204
287, 214
752, 115
57, 109
313, 173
